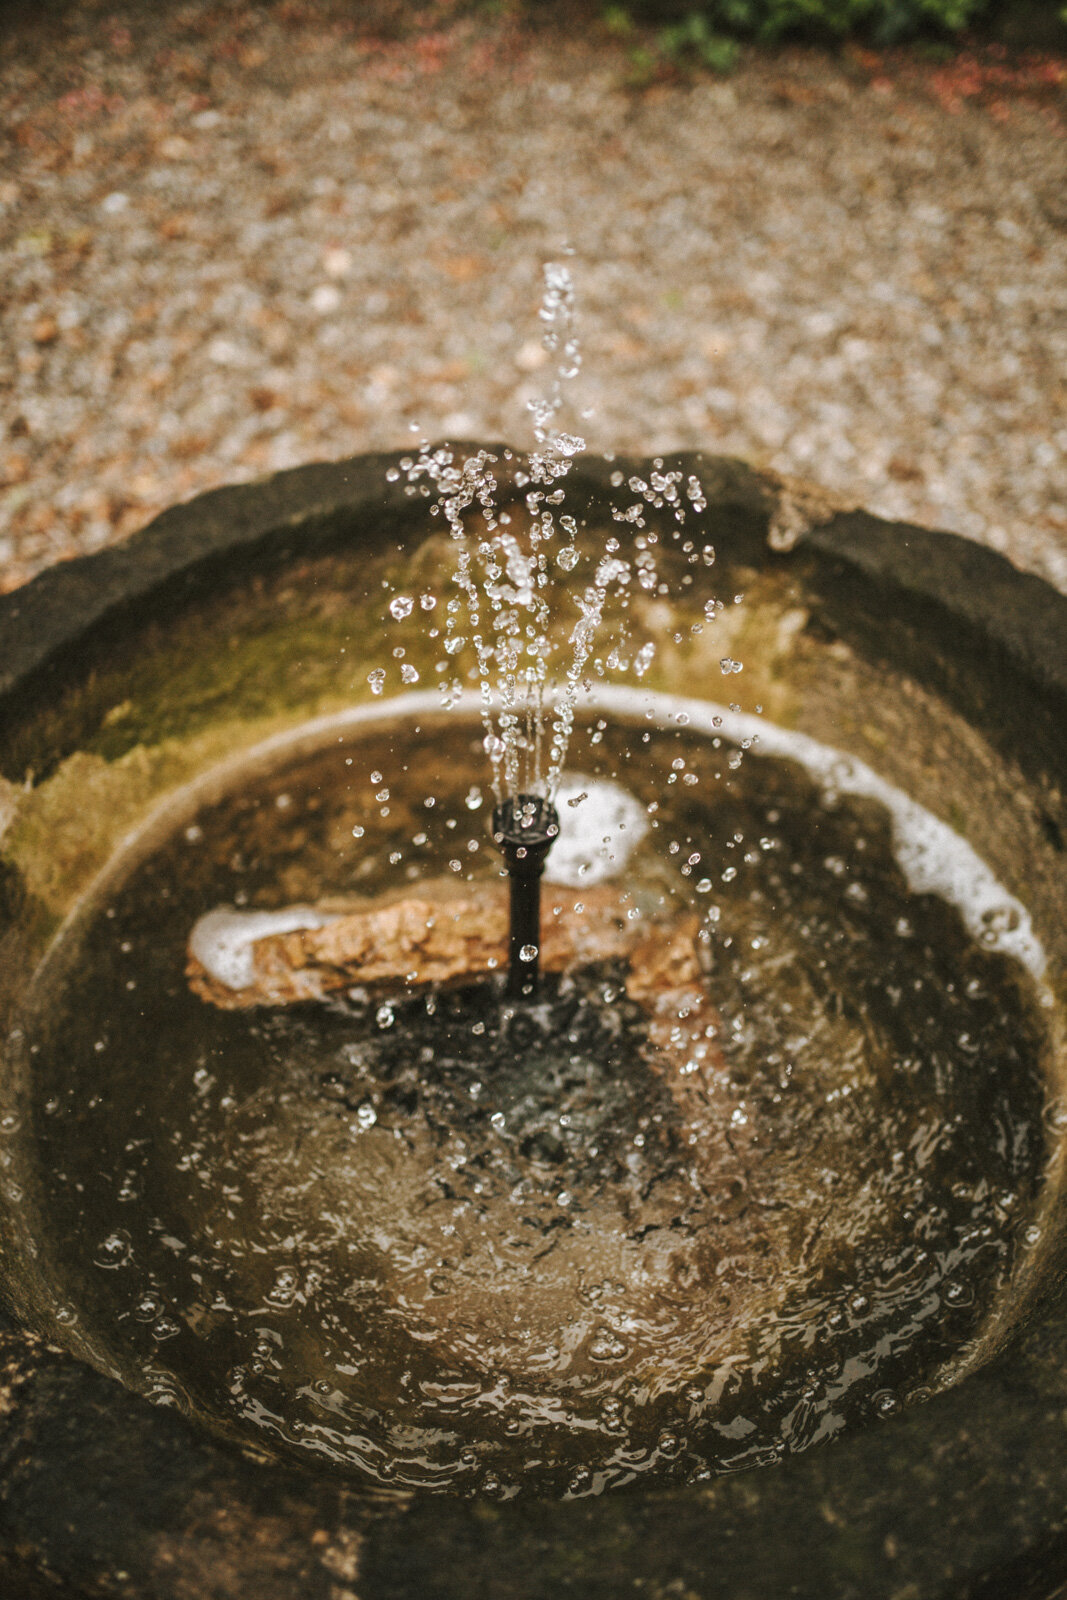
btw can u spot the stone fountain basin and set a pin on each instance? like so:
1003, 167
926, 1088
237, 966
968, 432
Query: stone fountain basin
240, 617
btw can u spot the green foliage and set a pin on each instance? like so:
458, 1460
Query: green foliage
693, 39
706, 35
618, 20
689, 42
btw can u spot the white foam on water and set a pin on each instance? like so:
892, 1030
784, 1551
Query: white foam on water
599, 824
933, 858
222, 939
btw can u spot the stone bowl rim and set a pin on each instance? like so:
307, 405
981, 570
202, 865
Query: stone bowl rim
1023, 616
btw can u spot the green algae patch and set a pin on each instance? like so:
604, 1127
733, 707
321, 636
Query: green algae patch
190, 691
64, 831
760, 631
249, 649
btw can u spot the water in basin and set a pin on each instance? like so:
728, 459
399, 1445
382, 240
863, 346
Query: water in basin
432, 1240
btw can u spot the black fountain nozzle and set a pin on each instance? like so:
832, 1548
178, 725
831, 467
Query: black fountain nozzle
524, 826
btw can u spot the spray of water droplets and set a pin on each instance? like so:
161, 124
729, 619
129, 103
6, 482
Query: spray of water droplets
517, 567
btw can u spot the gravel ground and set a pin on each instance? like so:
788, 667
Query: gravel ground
236, 238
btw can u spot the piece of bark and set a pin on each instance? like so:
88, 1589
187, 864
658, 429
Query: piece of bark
433, 936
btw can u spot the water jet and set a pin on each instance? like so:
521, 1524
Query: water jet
176, 727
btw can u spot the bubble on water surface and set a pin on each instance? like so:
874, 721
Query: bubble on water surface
114, 1251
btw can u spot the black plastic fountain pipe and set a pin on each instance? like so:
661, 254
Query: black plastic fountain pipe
524, 827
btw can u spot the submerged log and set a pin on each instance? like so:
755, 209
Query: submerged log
442, 934
436, 935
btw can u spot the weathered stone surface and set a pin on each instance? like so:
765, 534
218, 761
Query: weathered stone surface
102, 1495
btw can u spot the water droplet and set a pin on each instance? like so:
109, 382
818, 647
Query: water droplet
114, 1251
358, 832
611, 1411
401, 606
1001, 919
606, 1346
1056, 1118
567, 558
384, 1016
165, 1328
148, 1307
282, 1291
376, 679
886, 1403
